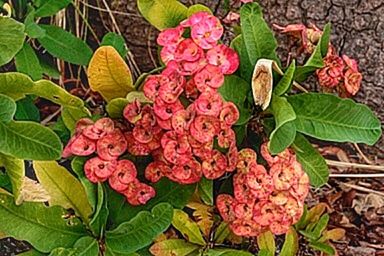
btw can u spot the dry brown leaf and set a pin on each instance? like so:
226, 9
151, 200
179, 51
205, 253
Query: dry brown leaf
203, 216
109, 75
262, 83
363, 203
32, 191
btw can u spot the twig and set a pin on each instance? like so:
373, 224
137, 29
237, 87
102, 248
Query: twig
86, 22
354, 165
105, 10
362, 154
357, 175
50, 117
298, 86
363, 189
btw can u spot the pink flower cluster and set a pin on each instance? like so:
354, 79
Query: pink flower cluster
340, 73
265, 200
109, 142
180, 135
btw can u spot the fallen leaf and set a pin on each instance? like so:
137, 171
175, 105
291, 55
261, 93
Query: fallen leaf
109, 75
362, 203
32, 191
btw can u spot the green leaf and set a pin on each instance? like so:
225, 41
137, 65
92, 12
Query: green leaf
187, 227
222, 232
291, 243
91, 189
226, 252
31, 252
72, 115
86, 246
315, 61
312, 161
264, 252
198, 8
26, 110
245, 69
50, 70
65, 46
313, 232
34, 222
117, 41
266, 241
205, 188
175, 247
15, 170
99, 220
53, 92
285, 131
65, 190
116, 107
27, 62
235, 90
63, 252
61, 130
166, 191
258, 38
51, 7
323, 247
141, 230
7, 108
286, 81
163, 13
31, 27
36, 141
327, 117
11, 39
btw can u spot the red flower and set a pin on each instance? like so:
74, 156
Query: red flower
99, 170
225, 58
352, 76
124, 174
111, 146
210, 77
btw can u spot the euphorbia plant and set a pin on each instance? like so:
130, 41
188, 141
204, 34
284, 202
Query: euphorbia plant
217, 126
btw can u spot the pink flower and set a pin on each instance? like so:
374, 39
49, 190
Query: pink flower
132, 111
194, 19
182, 119
352, 76
139, 193
204, 128
226, 137
156, 170
231, 17
187, 50
229, 114
207, 32
225, 205
188, 173
79, 145
165, 111
209, 103
99, 170
152, 86
215, 166
332, 72
112, 145
96, 131
136, 148
124, 174
170, 36
210, 77
225, 58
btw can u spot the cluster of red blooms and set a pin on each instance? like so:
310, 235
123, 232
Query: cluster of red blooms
179, 137
105, 138
339, 73
265, 200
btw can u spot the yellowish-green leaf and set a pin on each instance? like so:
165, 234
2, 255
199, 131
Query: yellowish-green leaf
163, 13
65, 190
291, 243
198, 8
174, 247
16, 171
15, 85
137, 95
115, 107
188, 228
266, 241
333, 234
109, 75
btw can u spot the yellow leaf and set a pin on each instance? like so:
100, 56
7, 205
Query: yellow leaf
188, 228
203, 216
333, 234
174, 247
315, 213
109, 75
